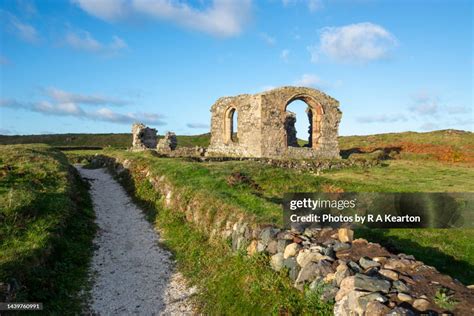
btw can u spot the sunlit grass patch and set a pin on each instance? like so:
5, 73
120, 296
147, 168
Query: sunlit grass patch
46, 227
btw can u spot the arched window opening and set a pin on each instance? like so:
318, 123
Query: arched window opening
298, 124
231, 126
234, 131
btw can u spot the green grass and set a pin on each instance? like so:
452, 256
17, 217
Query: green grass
459, 141
123, 140
71, 140
449, 251
194, 140
210, 180
46, 227
229, 283
456, 138
444, 299
443, 145
409, 176
416, 169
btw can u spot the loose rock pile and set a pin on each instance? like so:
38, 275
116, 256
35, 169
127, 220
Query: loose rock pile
361, 277
316, 166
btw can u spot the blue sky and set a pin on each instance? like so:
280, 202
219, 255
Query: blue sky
98, 65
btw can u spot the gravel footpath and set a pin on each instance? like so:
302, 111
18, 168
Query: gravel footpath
131, 273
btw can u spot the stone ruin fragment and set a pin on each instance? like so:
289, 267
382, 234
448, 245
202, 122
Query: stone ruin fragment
143, 137
290, 122
168, 143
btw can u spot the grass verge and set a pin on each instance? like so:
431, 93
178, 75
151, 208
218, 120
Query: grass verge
47, 227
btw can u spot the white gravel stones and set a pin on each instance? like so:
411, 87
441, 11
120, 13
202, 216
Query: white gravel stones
131, 273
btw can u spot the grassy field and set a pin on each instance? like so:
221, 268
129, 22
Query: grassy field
46, 227
71, 140
95, 140
443, 145
450, 251
428, 162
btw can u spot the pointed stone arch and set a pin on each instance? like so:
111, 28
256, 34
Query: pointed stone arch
315, 113
230, 135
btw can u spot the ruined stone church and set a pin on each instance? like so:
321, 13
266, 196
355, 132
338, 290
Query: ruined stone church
267, 130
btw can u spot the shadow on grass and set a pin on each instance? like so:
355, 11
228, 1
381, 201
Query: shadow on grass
56, 274
387, 151
273, 199
459, 269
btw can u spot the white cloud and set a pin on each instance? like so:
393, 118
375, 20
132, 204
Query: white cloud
108, 115
354, 43
464, 123
383, 118
222, 17
429, 126
458, 110
117, 44
312, 5
104, 9
429, 104
469, 121
428, 107
197, 125
23, 30
309, 80
285, 54
57, 108
11, 103
83, 40
62, 96
5, 131
27, 7
45, 107
68, 104
270, 40
425, 103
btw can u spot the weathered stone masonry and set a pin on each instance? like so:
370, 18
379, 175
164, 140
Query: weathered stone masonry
266, 128
143, 137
